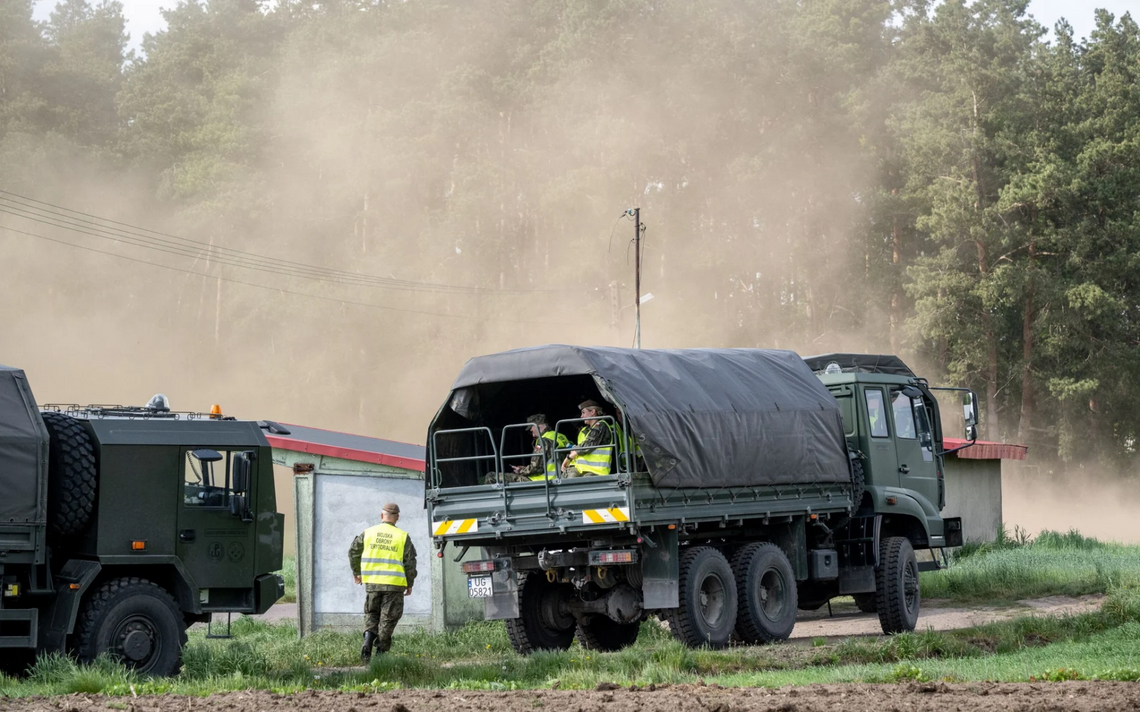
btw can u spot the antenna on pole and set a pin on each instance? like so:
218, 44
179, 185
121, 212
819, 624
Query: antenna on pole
637, 277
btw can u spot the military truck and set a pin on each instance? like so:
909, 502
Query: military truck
742, 486
120, 526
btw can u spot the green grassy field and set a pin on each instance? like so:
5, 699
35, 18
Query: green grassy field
1017, 568
1104, 644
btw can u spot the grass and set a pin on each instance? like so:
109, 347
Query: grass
1018, 567
1104, 644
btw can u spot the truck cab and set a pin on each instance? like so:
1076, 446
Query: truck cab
121, 526
893, 425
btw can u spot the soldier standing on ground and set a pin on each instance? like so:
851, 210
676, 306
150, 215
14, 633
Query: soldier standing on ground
384, 560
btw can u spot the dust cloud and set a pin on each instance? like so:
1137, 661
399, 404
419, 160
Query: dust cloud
1093, 500
427, 152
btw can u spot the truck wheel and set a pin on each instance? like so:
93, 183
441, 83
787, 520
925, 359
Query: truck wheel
136, 622
896, 586
544, 622
865, 602
707, 596
71, 476
858, 483
766, 591
602, 634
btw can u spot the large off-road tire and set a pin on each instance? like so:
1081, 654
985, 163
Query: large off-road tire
600, 633
866, 602
897, 596
134, 621
71, 477
707, 597
766, 593
544, 622
858, 482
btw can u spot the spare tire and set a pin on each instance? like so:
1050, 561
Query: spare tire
71, 477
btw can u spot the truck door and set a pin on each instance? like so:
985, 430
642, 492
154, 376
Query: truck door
882, 467
914, 443
215, 545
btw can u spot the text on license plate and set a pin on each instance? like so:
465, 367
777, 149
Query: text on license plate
479, 587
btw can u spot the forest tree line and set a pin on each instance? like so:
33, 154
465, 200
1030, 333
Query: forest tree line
953, 183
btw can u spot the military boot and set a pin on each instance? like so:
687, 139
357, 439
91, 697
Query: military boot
366, 650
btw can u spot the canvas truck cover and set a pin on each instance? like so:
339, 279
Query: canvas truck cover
23, 451
703, 417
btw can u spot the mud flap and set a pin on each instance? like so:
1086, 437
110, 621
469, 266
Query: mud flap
660, 570
503, 604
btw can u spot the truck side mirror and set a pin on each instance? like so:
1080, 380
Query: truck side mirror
239, 507
970, 414
206, 455
243, 472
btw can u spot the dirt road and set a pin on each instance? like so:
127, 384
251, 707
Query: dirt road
847, 621
937, 697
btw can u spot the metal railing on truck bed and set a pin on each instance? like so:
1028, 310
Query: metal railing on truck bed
625, 501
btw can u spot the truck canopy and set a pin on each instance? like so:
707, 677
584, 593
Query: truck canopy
702, 417
23, 451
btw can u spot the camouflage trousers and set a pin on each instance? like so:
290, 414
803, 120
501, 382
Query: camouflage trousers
504, 477
382, 611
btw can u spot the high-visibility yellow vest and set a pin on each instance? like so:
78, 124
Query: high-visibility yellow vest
596, 461
627, 443
383, 559
560, 441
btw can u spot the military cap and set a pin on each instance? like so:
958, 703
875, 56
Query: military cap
589, 404
391, 508
537, 419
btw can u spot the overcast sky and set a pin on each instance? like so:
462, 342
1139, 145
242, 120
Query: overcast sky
144, 15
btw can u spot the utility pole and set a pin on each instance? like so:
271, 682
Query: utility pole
637, 276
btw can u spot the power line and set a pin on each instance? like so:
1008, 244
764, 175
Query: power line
273, 289
78, 221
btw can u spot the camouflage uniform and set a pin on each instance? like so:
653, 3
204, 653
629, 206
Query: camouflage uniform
383, 603
599, 435
536, 466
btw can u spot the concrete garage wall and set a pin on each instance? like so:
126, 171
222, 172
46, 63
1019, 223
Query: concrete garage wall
346, 505
339, 500
973, 492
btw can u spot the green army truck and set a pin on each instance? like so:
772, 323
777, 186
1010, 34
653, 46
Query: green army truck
120, 527
742, 486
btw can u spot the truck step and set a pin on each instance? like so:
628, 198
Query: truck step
19, 627
219, 635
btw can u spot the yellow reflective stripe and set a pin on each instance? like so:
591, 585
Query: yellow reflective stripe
605, 516
454, 526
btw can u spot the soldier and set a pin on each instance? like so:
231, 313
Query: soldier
591, 456
546, 441
384, 559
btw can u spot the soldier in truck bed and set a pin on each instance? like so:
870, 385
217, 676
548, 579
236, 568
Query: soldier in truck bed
546, 442
591, 456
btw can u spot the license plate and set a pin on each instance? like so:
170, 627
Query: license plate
479, 587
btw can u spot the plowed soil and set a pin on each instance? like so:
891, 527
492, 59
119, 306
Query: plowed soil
940, 697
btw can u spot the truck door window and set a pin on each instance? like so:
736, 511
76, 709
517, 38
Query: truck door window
904, 416
876, 413
206, 482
